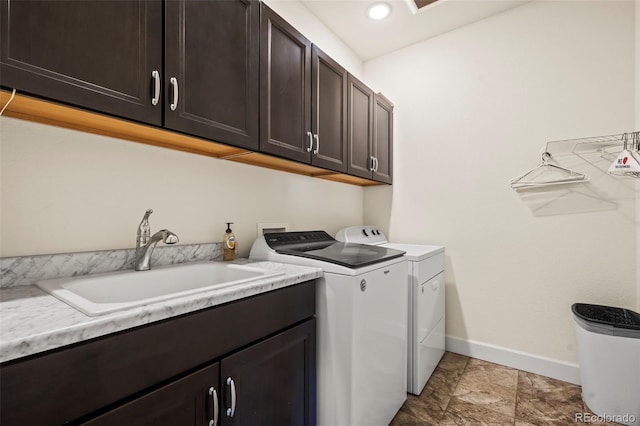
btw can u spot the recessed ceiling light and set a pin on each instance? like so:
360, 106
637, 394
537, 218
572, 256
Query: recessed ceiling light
378, 11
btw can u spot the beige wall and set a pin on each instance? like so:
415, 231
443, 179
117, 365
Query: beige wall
474, 108
68, 191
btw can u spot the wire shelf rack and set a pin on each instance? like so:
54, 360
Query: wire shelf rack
608, 145
599, 151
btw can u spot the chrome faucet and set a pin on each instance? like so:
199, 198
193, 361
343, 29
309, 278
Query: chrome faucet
145, 242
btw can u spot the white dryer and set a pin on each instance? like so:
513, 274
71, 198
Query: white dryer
426, 321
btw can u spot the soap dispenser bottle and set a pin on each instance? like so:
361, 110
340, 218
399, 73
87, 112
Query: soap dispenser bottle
229, 243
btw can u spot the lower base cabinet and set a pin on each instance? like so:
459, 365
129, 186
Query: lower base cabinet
247, 362
265, 384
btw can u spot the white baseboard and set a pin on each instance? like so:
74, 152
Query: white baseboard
553, 368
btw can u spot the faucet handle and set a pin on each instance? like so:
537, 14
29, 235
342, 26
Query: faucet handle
145, 219
144, 230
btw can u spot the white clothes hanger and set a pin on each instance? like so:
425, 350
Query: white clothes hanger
545, 174
627, 163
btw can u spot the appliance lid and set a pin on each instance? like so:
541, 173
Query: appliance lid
416, 252
321, 246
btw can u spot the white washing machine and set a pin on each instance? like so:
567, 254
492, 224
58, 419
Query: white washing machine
361, 311
426, 323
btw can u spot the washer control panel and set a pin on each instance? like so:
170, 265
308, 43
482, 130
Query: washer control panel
362, 235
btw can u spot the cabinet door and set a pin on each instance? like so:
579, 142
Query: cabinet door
360, 127
383, 139
285, 86
187, 401
329, 108
274, 381
98, 55
211, 69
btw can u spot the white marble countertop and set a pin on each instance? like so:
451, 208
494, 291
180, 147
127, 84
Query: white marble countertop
33, 321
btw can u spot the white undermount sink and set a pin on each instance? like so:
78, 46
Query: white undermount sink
104, 293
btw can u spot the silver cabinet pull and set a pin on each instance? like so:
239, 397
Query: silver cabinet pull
317, 138
214, 401
231, 410
375, 159
310, 141
373, 162
156, 87
174, 84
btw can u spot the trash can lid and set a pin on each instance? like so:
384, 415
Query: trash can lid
607, 315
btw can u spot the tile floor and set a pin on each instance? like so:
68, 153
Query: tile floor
468, 391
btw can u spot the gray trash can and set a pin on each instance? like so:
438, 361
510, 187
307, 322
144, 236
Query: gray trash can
609, 357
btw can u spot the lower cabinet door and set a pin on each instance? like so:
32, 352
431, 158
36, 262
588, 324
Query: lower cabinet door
187, 401
272, 382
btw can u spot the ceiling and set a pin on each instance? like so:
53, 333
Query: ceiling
405, 26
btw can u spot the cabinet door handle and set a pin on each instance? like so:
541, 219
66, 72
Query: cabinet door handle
231, 410
373, 162
174, 85
317, 138
310, 141
156, 87
214, 402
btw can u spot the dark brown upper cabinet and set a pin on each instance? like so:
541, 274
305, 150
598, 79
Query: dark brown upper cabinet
98, 55
211, 70
382, 139
108, 56
303, 99
285, 89
229, 71
360, 128
329, 108
370, 132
